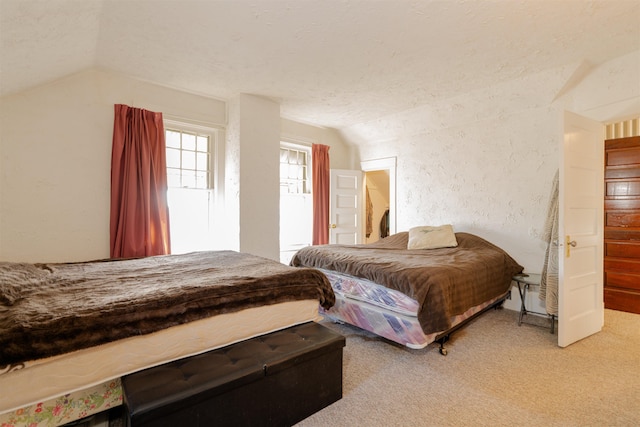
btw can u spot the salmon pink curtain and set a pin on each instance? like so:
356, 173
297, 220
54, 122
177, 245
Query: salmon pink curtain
320, 162
139, 211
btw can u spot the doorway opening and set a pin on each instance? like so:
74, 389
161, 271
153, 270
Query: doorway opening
380, 191
376, 184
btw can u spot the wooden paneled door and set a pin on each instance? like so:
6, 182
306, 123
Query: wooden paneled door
622, 224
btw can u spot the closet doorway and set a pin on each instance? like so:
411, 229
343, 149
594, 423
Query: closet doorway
377, 205
380, 198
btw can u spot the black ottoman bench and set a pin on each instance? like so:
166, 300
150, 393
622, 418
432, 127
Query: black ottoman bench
276, 379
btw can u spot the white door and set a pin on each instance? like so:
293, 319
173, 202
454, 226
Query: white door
581, 225
345, 209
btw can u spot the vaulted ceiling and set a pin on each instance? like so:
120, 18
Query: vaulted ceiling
333, 63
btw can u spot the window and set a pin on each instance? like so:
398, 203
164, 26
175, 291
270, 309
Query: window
188, 159
294, 170
190, 177
296, 203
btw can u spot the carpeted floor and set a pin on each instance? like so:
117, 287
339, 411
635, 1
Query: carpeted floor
495, 374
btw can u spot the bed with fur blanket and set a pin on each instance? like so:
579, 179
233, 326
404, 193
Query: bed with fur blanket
68, 326
409, 293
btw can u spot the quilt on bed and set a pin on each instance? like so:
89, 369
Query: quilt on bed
50, 309
445, 282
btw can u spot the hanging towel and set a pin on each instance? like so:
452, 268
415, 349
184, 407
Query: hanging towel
549, 280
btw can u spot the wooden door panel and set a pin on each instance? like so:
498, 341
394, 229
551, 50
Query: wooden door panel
621, 300
621, 143
622, 172
628, 188
619, 205
622, 219
622, 249
622, 264
623, 280
619, 233
622, 157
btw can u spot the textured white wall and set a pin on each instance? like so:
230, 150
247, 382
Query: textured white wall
56, 172
55, 160
341, 154
611, 92
259, 194
484, 161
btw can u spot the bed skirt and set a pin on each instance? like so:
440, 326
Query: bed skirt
67, 408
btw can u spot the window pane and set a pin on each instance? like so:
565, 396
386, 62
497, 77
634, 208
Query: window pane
188, 178
202, 161
191, 220
173, 158
293, 171
188, 141
173, 178
172, 139
188, 160
201, 180
203, 143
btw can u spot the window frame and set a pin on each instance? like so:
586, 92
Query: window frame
299, 146
214, 189
289, 247
213, 133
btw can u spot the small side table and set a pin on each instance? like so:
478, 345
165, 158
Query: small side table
524, 280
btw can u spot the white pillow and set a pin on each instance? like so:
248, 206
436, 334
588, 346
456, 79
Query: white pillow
427, 237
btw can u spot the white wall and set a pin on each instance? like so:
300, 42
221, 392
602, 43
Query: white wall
254, 184
55, 160
611, 92
341, 155
484, 161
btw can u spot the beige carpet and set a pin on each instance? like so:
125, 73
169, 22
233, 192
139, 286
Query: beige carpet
496, 374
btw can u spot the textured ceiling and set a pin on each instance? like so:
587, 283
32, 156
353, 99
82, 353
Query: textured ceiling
328, 62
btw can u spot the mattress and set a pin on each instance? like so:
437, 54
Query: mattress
95, 371
57, 308
445, 282
385, 312
365, 290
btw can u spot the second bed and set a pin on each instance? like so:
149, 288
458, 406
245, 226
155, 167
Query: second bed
412, 296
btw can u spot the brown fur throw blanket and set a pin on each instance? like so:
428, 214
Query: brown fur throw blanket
50, 309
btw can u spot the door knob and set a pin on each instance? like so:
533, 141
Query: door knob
569, 244
333, 226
